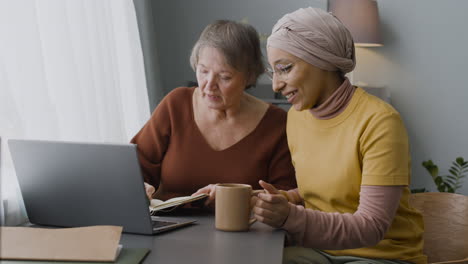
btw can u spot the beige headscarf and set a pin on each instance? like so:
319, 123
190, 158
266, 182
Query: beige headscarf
316, 37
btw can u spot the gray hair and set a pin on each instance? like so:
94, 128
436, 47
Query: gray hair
239, 43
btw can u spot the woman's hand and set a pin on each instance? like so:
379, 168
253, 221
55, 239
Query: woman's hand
271, 207
149, 190
211, 191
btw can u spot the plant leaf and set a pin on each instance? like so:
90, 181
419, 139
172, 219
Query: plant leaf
442, 188
450, 190
454, 171
451, 183
451, 176
431, 168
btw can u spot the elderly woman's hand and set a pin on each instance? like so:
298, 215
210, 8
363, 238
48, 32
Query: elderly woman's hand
271, 207
211, 191
149, 190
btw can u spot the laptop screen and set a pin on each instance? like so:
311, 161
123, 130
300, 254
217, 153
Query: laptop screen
80, 184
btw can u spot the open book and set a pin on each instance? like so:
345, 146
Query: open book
158, 205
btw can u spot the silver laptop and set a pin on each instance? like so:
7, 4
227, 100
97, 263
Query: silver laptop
72, 184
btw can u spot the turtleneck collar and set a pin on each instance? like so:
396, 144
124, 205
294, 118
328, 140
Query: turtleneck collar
336, 103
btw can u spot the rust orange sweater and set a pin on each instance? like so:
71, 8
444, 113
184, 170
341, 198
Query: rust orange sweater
176, 159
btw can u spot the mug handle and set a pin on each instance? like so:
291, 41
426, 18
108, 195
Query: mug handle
255, 193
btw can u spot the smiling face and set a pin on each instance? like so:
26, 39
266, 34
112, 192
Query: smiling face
221, 85
305, 84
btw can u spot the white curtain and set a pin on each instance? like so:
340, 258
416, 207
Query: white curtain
69, 70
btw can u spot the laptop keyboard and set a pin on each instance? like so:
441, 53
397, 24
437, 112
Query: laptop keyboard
158, 224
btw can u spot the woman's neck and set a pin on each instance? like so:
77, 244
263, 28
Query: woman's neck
336, 102
331, 82
229, 114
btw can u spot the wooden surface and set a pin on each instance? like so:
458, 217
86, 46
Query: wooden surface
446, 226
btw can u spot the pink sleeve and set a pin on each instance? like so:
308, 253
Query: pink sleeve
366, 227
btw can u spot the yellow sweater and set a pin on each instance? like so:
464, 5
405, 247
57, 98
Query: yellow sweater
366, 144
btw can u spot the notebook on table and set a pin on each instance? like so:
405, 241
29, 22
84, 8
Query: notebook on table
72, 184
91, 243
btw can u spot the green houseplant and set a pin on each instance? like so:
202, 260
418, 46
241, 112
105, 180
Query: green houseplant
446, 183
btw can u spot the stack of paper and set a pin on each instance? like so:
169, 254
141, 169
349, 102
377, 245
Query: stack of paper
95, 243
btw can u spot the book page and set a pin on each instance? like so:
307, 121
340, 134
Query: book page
158, 204
176, 199
155, 202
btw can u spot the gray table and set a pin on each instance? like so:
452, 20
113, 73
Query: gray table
202, 243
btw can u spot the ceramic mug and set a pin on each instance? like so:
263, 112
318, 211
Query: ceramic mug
232, 207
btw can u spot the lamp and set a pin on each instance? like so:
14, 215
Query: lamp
361, 18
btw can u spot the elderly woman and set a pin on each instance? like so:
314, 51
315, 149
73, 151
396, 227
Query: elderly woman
350, 151
216, 132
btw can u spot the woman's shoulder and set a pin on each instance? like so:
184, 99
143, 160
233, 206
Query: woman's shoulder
263, 109
274, 118
180, 93
176, 102
374, 105
277, 112
268, 110
374, 112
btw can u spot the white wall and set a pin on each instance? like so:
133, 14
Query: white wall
424, 63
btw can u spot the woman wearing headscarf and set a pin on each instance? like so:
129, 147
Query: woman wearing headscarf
350, 151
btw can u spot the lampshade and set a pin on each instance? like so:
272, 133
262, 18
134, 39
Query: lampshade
361, 17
